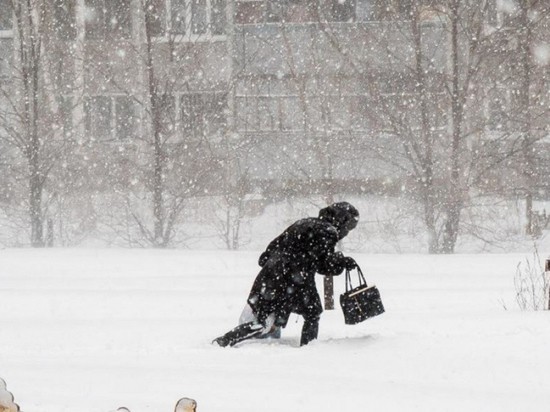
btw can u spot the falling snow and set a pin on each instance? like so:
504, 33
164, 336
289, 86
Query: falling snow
211, 125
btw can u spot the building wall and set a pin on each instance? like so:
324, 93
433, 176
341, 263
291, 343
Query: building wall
308, 86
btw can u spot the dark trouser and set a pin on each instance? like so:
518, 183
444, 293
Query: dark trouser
310, 330
277, 297
242, 332
308, 304
249, 330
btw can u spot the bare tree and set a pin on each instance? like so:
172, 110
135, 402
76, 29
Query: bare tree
531, 14
171, 151
29, 115
192, 159
439, 126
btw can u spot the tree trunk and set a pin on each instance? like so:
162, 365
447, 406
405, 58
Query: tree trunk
454, 200
36, 180
35, 209
525, 40
29, 54
426, 177
159, 238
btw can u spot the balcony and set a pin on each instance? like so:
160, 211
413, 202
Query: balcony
284, 49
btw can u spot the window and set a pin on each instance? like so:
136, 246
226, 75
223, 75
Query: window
341, 10
167, 110
116, 118
269, 113
515, 111
191, 114
188, 17
216, 117
108, 18
380, 10
198, 16
249, 11
272, 104
359, 112
315, 112
125, 118
439, 110
178, 12
243, 110
217, 17
6, 54
202, 114
98, 111
310, 10
157, 17
276, 10
6, 15
111, 118
292, 117
66, 113
266, 114
496, 116
405, 9
492, 12
365, 10
338, 112
292, 10
257, 113
64, 19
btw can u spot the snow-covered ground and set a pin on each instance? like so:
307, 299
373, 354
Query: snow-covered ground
94, 329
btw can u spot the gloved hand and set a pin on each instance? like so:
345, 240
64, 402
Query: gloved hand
349, 263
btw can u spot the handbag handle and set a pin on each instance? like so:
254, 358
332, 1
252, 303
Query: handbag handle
360, 276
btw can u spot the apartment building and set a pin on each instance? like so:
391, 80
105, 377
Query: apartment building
314, 89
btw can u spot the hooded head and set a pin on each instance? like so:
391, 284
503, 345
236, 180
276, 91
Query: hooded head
342, 215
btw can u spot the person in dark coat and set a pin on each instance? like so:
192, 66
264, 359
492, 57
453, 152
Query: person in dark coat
286, 282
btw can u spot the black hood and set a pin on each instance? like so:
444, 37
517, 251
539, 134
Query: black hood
342, 215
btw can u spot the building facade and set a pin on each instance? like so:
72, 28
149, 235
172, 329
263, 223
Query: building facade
306, 90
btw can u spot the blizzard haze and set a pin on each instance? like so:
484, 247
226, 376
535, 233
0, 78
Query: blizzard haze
151, 149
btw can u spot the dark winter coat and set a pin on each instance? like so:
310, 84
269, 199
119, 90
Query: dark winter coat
286, 283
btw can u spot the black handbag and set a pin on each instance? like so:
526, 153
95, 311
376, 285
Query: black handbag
361, 302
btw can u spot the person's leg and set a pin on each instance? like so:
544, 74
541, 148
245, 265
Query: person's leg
273, 333
310, 329
271, 329
265, 298
312, 314
240, 333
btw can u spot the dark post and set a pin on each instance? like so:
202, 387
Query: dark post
328, 282
328, 286
49, 233
547, 283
